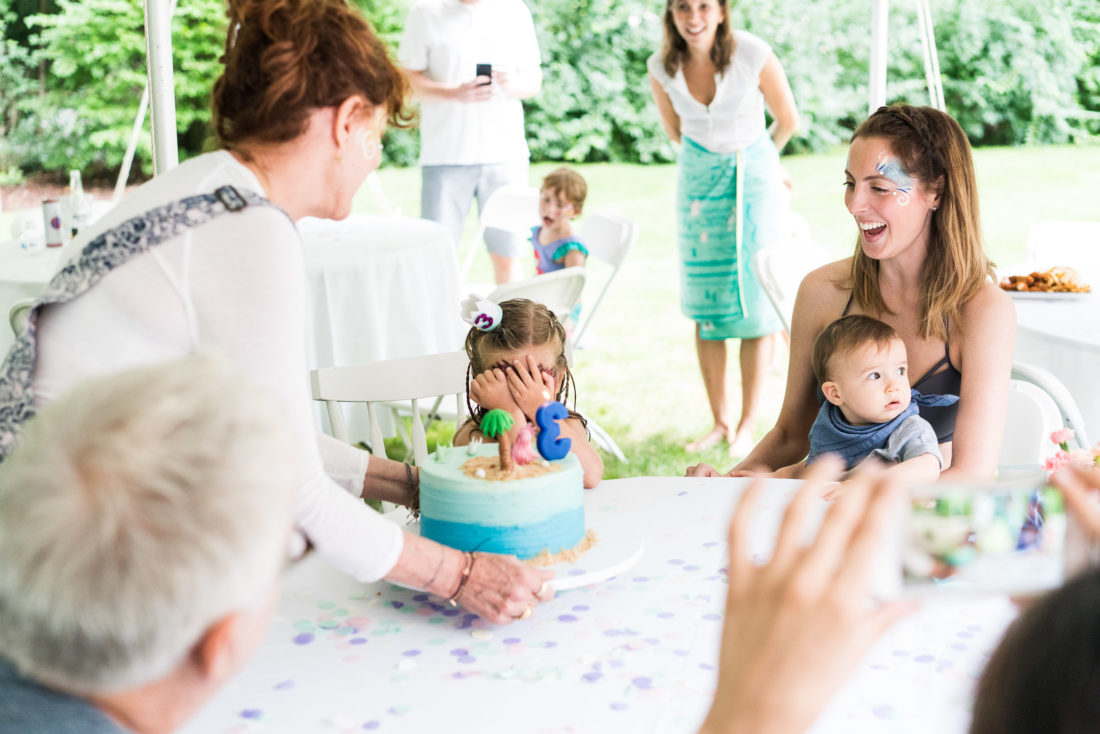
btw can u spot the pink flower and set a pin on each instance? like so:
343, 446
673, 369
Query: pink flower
1062, 437
1056, 462
523, 448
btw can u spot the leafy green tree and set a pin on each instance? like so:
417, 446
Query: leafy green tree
95, 51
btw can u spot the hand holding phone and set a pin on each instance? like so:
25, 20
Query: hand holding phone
974, 539
485, 70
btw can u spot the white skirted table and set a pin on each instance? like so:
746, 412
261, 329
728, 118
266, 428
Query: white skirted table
636, 652
379, 287
1061, 333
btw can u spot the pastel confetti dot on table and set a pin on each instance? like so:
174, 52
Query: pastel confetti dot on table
616, 706
706, 666
642, 682
580, 608
511, 640
566, 618
612, 633
549, 644
285, 685
303, 639
459, 652
372, 725
251, 714
328, 624
451, 612
325, 605
666, 615
576, 572
641, 579
923, 658
481, 634
681, 494
421, 597
397, 604
411, 653
965, 635
400, 710
710, 544
676, 561
681, 653
691, 568
357, 641
592, 677
958, 646
303, 624
712, 616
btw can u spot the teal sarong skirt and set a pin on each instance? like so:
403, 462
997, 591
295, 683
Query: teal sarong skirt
728, 207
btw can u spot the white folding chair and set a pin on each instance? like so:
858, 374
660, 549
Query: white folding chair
780, 271
1069, 414
17, 315
1068, 243
608, 238
379, 383
559, 291
514, 209
1031, 417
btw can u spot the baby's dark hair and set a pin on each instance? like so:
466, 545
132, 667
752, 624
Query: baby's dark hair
523, 323
1044, 674
845, 335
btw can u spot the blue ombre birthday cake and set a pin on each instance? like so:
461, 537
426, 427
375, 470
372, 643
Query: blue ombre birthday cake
537, 509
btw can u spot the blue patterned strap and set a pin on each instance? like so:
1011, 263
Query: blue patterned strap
99, 257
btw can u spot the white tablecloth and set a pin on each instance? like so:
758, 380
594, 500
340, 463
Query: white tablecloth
636, 653
380, 287
1063, 336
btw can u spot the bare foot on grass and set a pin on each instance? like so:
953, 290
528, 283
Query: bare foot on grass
709, 441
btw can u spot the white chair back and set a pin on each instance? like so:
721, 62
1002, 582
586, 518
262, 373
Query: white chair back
17, 315
608, 238
1031, 417
559, 291
780, 271
513, 209
1070, 415
412, 378
1067, 243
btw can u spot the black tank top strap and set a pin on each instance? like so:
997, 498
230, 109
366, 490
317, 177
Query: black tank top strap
848, 305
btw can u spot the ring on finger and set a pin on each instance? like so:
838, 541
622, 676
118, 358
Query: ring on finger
526, 613
538, 591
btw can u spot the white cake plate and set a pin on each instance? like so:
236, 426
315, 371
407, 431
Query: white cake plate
612, 554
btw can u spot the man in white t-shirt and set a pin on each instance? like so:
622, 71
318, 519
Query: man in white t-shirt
471, 62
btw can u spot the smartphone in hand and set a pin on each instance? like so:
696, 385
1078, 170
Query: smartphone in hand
978, 539
485, 70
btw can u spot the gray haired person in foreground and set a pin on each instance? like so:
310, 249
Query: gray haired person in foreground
144, 520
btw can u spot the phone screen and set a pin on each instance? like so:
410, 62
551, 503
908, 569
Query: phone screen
485, 70
983, 538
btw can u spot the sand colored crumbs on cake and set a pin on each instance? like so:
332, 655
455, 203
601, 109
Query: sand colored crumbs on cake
490, 465
571, 555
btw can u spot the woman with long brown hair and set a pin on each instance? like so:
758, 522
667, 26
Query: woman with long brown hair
711, 85
920, 266
207, 257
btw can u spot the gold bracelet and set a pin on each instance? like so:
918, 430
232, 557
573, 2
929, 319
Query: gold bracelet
453, 601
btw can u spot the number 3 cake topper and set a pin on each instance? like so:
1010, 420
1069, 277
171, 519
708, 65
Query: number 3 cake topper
550, 444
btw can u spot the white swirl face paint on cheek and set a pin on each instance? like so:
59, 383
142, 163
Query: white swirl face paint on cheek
890, 167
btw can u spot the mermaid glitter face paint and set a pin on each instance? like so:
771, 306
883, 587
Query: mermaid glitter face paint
890, 167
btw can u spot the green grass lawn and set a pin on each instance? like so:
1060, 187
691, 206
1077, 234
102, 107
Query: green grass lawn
639, 377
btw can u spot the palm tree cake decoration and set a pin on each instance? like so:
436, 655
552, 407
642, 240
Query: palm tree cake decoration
497, 424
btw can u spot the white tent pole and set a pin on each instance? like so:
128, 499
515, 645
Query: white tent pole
923, 21
131, 147
158, 48
880, 12
939, 104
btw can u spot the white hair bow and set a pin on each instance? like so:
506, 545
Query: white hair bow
481, 313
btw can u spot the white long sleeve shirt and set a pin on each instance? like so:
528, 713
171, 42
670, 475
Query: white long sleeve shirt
235, 285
